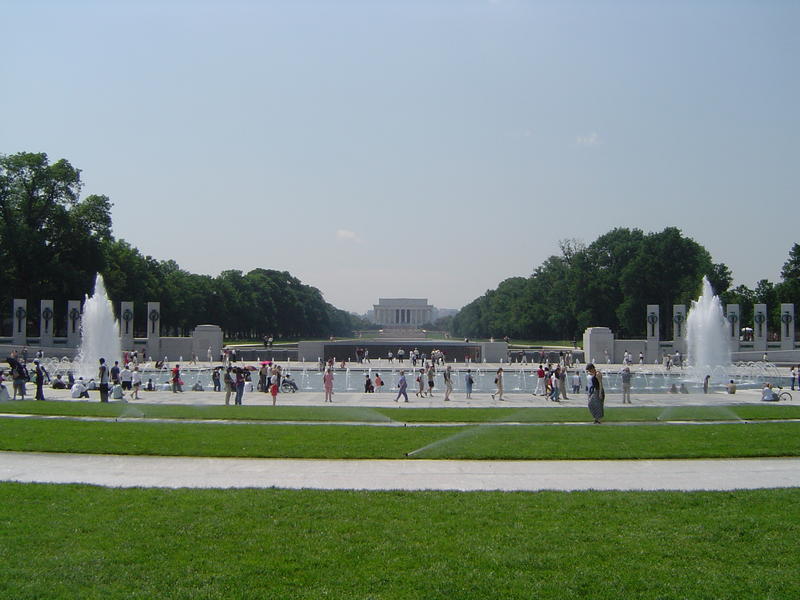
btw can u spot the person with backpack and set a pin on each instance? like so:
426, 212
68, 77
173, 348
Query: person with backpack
498, 381
597, 394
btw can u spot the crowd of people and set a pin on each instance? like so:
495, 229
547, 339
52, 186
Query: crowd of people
125, 380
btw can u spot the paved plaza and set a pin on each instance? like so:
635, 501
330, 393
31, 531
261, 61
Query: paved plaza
173, 472
464, 475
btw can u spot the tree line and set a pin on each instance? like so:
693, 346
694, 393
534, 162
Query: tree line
610, 282
53, 242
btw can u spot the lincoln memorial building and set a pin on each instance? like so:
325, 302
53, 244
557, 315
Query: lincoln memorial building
402, 313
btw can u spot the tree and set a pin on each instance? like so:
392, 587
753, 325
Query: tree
50, 240
791, 268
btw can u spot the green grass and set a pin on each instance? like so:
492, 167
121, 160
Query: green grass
74, 541
457, 442
406, 415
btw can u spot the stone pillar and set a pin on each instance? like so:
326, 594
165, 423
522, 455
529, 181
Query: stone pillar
46, 323
653, 322
597, 342
679, 328
73, 323
126, 325
760, 323
787, 327
19, 317
154, 330
734, 317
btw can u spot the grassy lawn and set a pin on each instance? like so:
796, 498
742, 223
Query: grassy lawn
403, 415
481, 441
72, 541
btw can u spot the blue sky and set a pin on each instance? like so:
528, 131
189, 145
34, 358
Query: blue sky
415, 149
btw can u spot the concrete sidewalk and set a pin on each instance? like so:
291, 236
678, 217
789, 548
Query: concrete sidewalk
464, 475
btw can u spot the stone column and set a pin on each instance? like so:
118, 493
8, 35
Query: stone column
19, 317
46, 323
760, 327
597, 342
787, 327
154, 330
126, 325
679, 328
734, 317
73, 323
652, 323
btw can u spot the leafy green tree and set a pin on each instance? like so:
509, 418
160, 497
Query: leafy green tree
50, 240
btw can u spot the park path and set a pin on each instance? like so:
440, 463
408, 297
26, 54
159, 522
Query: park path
464, 475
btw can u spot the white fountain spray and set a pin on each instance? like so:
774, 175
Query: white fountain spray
707, 333
99, 333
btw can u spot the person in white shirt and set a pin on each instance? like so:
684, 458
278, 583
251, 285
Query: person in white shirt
126, 378
576, 382
136, 382
79, 389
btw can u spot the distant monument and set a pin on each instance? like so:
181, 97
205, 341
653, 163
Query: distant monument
402, 313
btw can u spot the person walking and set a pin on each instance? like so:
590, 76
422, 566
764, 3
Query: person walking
576, 382
448, 383
431, 375
327, 383
229, 385
136, 382
626, 385
562, 383
402, 387
597, 394
378, 382
468, 383
176, 379
273, 388
540, 383
114, 373
239, 386
420, 393
215, 379
498, 381
19, 375
102, 378
553, 384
